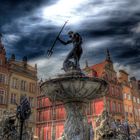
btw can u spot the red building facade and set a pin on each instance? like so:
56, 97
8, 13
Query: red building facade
51, 116
135, 100
113, 101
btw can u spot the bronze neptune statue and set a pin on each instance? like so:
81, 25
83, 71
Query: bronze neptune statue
75, 53
72, 60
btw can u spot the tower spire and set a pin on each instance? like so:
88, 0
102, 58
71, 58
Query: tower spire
108, 58
3, 59
0, 37
2, 49
1, 46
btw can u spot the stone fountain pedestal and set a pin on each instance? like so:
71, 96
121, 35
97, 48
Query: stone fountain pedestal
74, 90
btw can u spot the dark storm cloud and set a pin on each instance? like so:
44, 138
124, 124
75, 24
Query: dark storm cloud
16, 24
124, 41
10, 9
30, 27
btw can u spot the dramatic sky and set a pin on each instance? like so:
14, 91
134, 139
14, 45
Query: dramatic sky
29, 28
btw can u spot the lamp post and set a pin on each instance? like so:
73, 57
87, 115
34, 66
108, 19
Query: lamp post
23, 112
21, 129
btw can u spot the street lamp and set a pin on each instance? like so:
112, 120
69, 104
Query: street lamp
23, 112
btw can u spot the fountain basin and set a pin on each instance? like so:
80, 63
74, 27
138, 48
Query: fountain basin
74, 88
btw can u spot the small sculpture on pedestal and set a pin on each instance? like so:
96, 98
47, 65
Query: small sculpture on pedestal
104, 128
9, 124
23, 112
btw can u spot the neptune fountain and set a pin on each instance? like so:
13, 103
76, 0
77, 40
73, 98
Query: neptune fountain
74, 90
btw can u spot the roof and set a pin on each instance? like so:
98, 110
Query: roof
26, 70
123, 71
99, 68
20, 64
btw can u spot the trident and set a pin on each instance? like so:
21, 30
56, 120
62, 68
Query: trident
50, 51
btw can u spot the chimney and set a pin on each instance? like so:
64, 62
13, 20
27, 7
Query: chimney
0, 37
24, 61
133, 79
123, 76
139, 84
36, 66
86, 63
13, 57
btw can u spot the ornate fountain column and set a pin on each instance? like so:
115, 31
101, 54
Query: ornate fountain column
74, 90
76, 125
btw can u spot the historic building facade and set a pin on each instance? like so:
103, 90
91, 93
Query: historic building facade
4, 79
23, 82
134, 84
17, 78
131, 98
127, 96
113, 101
51, 116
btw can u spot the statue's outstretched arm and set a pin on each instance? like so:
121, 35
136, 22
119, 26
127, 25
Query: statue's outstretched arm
65, 43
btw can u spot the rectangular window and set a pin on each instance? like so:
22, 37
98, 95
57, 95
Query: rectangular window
39, 103
113, 106
139, 112
113, 91
15, 83
1, 113
122, 109
134, 99
0, 61
130, 109
13, 98
31, 100
40, 116
129, 97
23, 85
126, 108
124, 96
1, 99
136, 112
32, 88
138, 100
2, 78
2, 95
61, 113
116, 109
47, 115
119, 107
